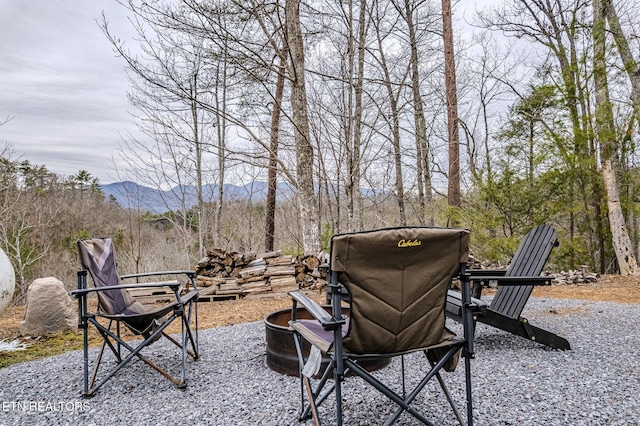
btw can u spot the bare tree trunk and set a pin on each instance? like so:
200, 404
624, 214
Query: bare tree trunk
349, 123
626, 55
605, 129
453, 193
273, 159
304, 149
621, 241
422, 144
357, 132
394, 120
354, 128
198, 160
221, 128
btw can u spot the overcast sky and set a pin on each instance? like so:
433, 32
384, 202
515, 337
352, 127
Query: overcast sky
63, 85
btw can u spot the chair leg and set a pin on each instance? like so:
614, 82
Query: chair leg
193, 335
183, 367
133, 352
447, 394
312, 406
89, 389
304, 410
322, 391
197, 343
404, 404
85, 356
467, 375
521, 327
338, 377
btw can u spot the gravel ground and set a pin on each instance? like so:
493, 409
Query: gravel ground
516, 382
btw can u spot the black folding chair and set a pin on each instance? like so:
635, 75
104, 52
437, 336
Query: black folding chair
117, 307
515, 285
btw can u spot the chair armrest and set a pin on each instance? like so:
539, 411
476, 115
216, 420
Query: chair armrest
454, 299
486, 272
189, 273
81, 292
502, 280
327, 321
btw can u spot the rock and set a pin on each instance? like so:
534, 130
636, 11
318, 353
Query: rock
7, 281
49, 308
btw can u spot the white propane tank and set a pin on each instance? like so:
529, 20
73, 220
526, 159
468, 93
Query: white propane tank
7, 281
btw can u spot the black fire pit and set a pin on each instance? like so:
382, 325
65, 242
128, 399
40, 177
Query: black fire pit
281, 350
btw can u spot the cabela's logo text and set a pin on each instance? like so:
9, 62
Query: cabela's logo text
409, 243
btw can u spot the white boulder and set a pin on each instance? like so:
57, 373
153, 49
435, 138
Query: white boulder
7, 281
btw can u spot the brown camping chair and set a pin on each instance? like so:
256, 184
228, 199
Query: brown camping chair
396, 280
117, 307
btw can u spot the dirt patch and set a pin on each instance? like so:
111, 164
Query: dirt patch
610, 288
210, 314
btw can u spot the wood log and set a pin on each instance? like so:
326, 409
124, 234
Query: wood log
256, 284
216, 252
243, 281
279, 270
253, 271
229, 285
230, 272
207, 291
283, 283
256, 290
271, 254
228, 292
311, 262
256, 262
282, 260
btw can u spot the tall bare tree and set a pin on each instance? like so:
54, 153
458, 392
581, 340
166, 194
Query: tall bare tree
353, 128
30, 215
300, 120
626, 54
423, 170
170, 85
272, 179
605, 129
453, 188
393, 90
557, 27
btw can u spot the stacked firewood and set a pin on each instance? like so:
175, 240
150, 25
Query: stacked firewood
580, 276
577, 277
226, 274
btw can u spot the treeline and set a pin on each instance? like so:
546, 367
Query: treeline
44, 215
346, 102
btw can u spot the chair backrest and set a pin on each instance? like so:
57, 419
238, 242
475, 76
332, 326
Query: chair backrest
533, 253
397, 279
97, 256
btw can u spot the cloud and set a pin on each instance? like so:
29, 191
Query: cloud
63, 84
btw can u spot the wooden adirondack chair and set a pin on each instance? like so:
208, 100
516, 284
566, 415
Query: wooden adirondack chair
515, 285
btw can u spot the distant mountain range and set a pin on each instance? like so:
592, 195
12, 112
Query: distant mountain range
132, 195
